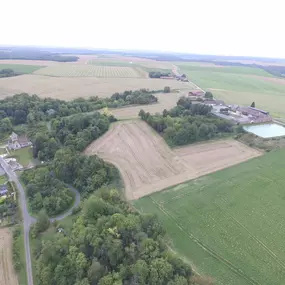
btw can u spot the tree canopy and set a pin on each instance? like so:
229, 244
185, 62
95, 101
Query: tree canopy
109, 244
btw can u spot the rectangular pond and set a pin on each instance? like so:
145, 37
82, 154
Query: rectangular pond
266, 130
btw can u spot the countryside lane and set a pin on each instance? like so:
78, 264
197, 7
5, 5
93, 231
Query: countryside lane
27, 219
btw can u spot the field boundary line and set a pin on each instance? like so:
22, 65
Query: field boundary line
268, 250
231, 266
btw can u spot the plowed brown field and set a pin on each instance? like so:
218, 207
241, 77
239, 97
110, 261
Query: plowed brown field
148, 165
7, 273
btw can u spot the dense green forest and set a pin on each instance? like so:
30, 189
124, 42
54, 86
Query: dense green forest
187, 123
45, 191
109, 244
24, 108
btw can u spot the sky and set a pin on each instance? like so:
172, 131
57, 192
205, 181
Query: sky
222, 27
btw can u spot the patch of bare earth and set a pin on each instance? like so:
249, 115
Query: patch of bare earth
7, 273
66, 88
272, 79
148, 165
165, 101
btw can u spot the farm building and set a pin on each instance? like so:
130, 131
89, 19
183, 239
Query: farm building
197, 93
214, 102
16, 142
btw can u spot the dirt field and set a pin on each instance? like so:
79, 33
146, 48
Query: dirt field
165, 101
71, 88
7, 274
148, 165
88, 70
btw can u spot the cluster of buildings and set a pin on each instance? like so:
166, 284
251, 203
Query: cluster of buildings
17, 142
239, 114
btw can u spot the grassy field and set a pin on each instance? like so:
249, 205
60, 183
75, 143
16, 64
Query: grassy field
21, 68
23, 155
229, 224
240, 85
3, 179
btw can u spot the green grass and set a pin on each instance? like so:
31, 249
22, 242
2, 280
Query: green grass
3, 179
21, 68
2, 150
22, 274
229, 224
240, 85
23, 155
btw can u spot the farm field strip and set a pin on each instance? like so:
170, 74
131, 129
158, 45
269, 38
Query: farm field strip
76, 70
68, 88
7, 273
21, 68
236, 213
148, 165
240, 85
165, 101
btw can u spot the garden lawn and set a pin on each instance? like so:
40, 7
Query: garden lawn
230, 224
23, 155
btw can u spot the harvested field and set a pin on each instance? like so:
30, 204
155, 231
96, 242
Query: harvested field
28, 62
71, 88
7, 273
86, 70
148, 165
165, 101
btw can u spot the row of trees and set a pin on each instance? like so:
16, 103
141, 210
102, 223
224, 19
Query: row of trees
158, 74
23, 108
46, 192
8, 73
187, 123
110, 244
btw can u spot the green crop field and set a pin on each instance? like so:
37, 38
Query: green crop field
240, 85
88, 70
21, 68
230, 224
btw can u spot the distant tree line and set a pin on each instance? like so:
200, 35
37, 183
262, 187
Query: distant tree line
187, 123
158, 74
35, 54
110, 244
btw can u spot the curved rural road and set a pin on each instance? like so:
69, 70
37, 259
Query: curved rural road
28, 220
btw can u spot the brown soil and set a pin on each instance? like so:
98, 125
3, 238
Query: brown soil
70, 88
165, 101
148, 165
7, 273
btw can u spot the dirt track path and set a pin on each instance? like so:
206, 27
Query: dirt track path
148, 165
7, 272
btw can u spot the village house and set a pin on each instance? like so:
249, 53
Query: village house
16, 142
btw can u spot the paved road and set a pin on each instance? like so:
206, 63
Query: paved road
28, 220
69, 212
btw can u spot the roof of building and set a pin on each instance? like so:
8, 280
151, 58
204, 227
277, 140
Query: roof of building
259, 110
23, 139
197, 93
14, 136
